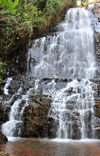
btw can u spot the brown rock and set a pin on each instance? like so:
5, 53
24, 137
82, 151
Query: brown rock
3, 139
1, 113
45, 101
97, 132
14, 84
98, 113
97, 37
98, 105
37, 122
99, 89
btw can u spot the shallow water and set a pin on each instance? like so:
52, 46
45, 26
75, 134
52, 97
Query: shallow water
38, 147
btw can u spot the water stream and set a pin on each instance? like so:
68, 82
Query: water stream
67, 54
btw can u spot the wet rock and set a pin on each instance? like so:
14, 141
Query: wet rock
3, 139
97, 132
76, 133
6, 113
44, 101
99, 90
1, 113
97, 38
95, 8
37, 122
98, 104
19, 130
13, 128
14, 84
13, 87
97, 113
22, 63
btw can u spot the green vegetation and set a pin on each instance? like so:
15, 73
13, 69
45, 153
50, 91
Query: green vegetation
2, 70
22, 19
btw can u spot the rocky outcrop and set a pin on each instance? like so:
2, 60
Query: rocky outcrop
96, 11
2, 138
2, 115
37, 121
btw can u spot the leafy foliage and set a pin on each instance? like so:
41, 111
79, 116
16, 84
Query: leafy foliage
8, 6
21, 19
2, 70
53, 6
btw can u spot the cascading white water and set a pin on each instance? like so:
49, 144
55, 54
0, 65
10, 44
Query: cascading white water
73, 108
14, 126
6, 86
68, 54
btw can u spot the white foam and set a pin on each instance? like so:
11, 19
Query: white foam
6, 90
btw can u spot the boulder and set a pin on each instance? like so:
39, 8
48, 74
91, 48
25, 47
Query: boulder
3, 139
97, 113
97, 38
37, 121
99, 91
97, 132
14, 86
1, 114
98, 104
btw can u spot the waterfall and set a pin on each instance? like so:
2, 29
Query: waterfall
67, 54
6, 86
73, 108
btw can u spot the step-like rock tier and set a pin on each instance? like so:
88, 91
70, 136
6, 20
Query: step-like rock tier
36, 121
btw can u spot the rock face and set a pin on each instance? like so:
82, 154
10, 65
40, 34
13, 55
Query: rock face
2, 138
96, 12
2, 115
37, 122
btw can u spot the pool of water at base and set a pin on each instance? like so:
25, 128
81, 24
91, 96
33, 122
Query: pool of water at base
46, 147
